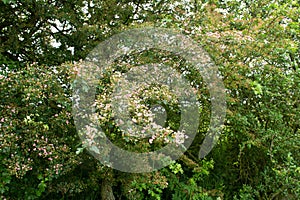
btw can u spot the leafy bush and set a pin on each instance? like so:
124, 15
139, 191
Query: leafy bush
38, 138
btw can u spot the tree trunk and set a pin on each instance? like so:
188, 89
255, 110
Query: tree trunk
106, 190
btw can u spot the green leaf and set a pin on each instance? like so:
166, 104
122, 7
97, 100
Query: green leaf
94, 149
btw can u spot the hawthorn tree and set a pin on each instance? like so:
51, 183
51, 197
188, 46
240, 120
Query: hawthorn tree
254, 43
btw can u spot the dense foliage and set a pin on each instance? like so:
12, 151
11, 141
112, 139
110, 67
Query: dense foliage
254, 43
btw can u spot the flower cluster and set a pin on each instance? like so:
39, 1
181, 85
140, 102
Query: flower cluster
128, 105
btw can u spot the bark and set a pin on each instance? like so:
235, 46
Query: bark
106, 190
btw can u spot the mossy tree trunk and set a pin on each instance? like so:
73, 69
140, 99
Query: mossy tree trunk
106, 190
